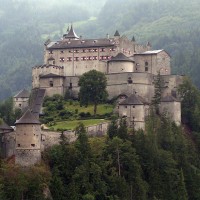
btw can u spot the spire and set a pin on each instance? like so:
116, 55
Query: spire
133, 39
148, 44
71, 34
116, 33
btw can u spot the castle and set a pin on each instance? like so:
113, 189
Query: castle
130, 68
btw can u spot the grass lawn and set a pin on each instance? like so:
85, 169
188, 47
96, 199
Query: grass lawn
72, 124
101, 109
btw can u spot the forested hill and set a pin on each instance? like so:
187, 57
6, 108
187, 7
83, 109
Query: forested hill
25, 25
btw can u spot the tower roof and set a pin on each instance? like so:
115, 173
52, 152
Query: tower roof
5, 126
116, 33
132, 100
22, 94
121, 57
71, 34
27, 118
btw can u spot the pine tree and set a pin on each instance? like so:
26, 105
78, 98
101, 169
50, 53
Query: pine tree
158, 86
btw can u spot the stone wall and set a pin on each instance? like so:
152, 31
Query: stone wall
135, 115
27, 157
57, 88
153, 63
20, 102
8, 144
173, 111
28, 136
43, 70
120, 67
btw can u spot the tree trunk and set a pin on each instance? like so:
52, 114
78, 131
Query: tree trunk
118, 161
95, 109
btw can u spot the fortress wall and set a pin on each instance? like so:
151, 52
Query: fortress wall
49, 138
135, 113
8, 144
57, 88
43, 70
142, 61
125, 46
119, 78
154, 63
173, 111
27, 157
98, 130
171, 83
120, 66
141, 48
118, 83
144, 91
90, 65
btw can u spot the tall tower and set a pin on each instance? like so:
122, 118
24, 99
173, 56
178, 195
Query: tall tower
28, 140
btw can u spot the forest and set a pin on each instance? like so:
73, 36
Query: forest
161, 162
25, 25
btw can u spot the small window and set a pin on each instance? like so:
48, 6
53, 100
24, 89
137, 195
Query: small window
70, 85
125, 106
51, 83
33, 145
20, 105
146, 69
61, 51
62, 59
146, 63
133, 106
18, 145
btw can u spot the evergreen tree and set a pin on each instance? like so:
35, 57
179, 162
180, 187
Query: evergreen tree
158, 87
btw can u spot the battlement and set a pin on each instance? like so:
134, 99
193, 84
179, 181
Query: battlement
47, 66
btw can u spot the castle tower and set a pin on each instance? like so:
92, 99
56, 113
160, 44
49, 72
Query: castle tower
21, 99
71, 35
28, 140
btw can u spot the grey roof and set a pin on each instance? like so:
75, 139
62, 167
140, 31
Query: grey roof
27, 118
71, 34
120, 57
152, 52
5, 126
51, 75
117, 33
22, 94
83, 43
37, 101
132, 100
169, 98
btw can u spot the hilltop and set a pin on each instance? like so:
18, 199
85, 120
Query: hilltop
172, 25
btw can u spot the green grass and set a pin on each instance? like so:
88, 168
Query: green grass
70, 125
101, 109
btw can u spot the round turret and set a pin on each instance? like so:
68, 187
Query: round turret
28, 140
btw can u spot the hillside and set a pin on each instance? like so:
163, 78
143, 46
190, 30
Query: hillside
25, 25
